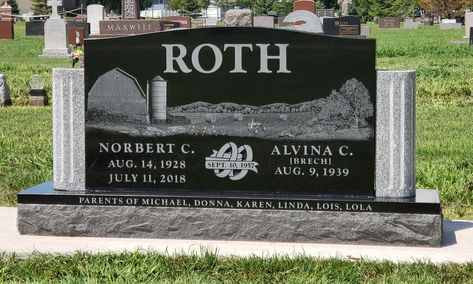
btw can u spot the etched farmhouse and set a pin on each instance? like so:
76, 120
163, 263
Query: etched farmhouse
118, 95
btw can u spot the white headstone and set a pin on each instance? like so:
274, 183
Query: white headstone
450, 25
55, 36
449, 21
311, 21
95, 14
263, 21
211, 21
54, 4
365, 31
468, 23
411, 24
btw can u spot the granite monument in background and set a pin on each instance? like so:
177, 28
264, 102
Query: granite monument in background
239, 18
389, 23
5, 99
468, 23
55, 36
410, 24
347, 25
95, 14
6, 22
263, 21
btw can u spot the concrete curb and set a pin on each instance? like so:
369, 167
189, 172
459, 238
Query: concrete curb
457, 246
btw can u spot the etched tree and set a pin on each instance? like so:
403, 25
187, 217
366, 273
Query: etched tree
358, 97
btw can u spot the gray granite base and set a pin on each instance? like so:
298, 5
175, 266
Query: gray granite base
230, 224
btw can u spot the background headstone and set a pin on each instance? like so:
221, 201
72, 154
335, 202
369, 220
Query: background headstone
184, 21
197, 22
130, 9
169, 25
310, 21
6, 22
210, 22
304, 5
75, 36
95, 14
131, 27
450, 25
428, 21
38, 95
274, 15
239, 18
449, 21
325, 13
347, 25
389, 23
365, 31
5, 99
55, 35
263, 21
82, 25
281, 22
468, 23
34, 28
471, 36
410, 24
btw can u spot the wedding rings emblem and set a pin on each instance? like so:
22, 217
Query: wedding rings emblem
231, 161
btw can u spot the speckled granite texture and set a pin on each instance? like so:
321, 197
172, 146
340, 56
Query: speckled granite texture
68, 129
395, 134
228, 224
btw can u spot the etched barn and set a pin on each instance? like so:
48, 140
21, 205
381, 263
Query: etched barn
117, 95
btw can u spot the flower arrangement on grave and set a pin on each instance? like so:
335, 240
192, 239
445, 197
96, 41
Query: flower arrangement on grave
77, 55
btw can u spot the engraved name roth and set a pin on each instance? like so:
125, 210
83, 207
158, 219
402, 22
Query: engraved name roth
177, 57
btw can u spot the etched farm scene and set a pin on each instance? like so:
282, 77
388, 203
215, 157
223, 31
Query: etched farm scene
117, 103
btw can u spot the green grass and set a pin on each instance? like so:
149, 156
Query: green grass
25, 150
209, 268
20, 60
442, 59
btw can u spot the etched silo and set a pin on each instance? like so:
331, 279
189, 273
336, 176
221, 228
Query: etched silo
158, 99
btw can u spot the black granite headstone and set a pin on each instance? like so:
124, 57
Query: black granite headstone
348, 25
34, 28
231, 111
